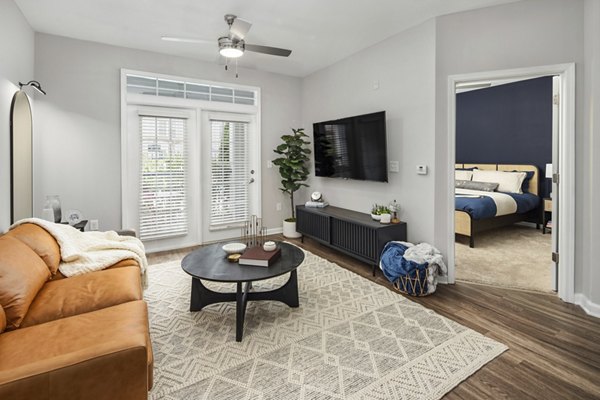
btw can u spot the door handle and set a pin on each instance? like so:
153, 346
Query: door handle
251, 181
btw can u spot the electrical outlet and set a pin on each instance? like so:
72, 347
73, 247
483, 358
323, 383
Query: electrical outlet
278, 206
394, 166
269, 164
93, 225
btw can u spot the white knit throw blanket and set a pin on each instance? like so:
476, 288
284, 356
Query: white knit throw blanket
83, 252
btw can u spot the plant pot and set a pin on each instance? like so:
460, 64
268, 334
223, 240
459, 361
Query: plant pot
376, 217
385, 218
289, 230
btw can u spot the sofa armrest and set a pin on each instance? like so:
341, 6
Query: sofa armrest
98, 355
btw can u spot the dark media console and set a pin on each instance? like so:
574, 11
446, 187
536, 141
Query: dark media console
350, 232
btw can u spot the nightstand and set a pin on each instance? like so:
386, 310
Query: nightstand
547, 217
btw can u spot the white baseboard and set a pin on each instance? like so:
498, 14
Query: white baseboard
274, 231
588, 306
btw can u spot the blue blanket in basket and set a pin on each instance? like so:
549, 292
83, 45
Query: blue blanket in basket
393, 264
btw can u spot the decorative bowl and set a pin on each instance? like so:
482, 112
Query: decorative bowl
376, 217
232, 248
269, 246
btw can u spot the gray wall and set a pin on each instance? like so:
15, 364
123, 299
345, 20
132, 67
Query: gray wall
516, 35
79, 135
404, 66
16, 64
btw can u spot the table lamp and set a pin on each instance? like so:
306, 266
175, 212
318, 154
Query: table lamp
549, 176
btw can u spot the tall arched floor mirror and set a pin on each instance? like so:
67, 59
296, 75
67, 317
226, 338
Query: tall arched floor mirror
21, 157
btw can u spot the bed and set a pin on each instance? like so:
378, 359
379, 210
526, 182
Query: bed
477, 211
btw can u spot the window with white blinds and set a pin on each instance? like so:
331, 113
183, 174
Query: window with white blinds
229, 173
163, 177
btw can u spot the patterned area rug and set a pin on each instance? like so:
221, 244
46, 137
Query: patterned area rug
349, 339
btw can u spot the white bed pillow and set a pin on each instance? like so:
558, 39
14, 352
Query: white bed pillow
461, 175
508, 182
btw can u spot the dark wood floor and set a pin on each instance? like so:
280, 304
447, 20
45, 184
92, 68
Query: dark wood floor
554, 347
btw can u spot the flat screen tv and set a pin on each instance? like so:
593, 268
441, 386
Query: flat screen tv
352, 148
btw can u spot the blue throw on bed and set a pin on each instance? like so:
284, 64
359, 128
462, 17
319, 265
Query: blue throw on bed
484, 207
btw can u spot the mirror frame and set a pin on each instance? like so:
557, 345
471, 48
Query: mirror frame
21, 159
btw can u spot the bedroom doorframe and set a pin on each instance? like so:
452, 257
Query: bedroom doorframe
564, 210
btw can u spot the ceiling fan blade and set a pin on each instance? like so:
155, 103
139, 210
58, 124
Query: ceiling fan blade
274, 51
239, 28
185, 39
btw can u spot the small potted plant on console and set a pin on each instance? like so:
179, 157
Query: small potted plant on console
378, 210
293, 169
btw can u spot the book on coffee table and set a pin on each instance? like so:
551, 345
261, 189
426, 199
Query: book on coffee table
258, 257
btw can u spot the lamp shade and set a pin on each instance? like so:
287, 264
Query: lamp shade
549, 171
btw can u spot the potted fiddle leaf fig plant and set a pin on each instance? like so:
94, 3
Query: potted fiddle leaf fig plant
292, 162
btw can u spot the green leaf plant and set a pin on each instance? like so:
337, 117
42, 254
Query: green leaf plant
292, 164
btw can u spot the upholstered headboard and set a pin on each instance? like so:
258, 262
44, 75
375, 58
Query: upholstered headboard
533, 182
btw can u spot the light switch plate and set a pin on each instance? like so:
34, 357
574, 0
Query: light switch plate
394, 166
422, 169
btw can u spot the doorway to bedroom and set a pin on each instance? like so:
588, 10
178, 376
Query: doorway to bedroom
504, 152
563, 168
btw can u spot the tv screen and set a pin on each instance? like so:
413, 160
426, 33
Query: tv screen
352, 148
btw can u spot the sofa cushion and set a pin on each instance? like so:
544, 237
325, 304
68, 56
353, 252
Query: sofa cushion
84, 293
2, 319
22, 274
71, 350
41, 242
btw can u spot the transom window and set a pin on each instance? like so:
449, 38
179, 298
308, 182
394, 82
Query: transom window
152, 86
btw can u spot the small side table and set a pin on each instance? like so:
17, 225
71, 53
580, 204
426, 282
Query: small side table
80, 225
547, 217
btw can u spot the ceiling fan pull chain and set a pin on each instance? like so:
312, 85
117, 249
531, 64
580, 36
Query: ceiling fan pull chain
226, 62
236, 73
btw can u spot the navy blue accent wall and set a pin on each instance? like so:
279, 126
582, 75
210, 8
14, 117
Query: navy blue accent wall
507, 124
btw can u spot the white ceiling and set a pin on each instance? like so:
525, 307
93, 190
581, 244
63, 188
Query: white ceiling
319, 32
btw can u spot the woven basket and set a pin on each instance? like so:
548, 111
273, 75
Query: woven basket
413, 286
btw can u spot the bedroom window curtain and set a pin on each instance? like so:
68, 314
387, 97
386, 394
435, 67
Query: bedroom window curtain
163, 208
229, 200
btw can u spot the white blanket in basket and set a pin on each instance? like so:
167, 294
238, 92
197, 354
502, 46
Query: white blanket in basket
425, 253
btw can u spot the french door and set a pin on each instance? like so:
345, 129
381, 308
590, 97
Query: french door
231, 176
161, 199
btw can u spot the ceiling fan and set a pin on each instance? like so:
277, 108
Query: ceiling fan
233, 45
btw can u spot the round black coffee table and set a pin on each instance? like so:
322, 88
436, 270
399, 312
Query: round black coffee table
210, 263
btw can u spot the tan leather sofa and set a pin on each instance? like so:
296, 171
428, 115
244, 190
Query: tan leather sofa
84, 337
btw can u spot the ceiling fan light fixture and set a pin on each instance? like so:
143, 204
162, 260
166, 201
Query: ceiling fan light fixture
231, 52
230, 48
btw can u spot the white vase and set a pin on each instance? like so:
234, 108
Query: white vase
289, 230
53, 202
385, 218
